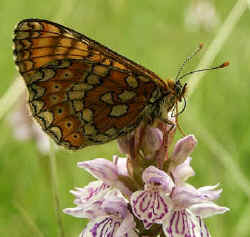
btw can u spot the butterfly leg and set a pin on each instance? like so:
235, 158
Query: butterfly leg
169, 122
173, 124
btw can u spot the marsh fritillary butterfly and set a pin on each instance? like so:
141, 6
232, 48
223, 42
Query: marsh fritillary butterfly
82, 93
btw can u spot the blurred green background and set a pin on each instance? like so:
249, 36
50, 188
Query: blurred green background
159, 35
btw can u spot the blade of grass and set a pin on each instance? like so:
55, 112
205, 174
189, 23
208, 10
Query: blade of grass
11, 96
242, 229
221, 154
65, 10
28, 220
219, 40
55, 188
216, 45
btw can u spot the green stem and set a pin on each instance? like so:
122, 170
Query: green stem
28, 220
11, 96
55, 188
219, 40
222, 155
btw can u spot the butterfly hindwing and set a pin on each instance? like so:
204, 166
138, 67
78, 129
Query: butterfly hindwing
83, 103
81, 92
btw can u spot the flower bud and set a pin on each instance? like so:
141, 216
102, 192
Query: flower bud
152, 141
125, 143
183, 149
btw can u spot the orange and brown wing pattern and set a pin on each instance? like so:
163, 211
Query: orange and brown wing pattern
80, 92
80, 103
37, 42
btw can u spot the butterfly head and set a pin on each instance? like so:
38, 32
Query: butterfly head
180, 90
177, 90
175, 93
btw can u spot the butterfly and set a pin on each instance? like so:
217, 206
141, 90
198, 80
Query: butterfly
83, 93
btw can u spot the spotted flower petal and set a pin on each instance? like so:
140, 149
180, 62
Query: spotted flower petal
117, 222
210, 192
107, 226
90, 192
155, 176
88, 200
189, 206
203, 228
91, 211
182, 172
128, 222
151, 204
207, 209
106, 171
182, 223
121, 164
100, 168
185, 196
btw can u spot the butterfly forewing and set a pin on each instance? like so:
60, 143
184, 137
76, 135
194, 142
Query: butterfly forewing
81, 92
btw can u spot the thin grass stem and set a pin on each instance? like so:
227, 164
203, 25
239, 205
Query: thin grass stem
242, 229
55, 188
219, 40
28, 220
221, 155
11, 96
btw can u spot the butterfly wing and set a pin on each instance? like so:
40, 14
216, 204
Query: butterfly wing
38, 42
81, 93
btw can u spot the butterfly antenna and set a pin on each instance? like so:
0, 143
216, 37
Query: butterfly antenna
225, 64
188, 59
